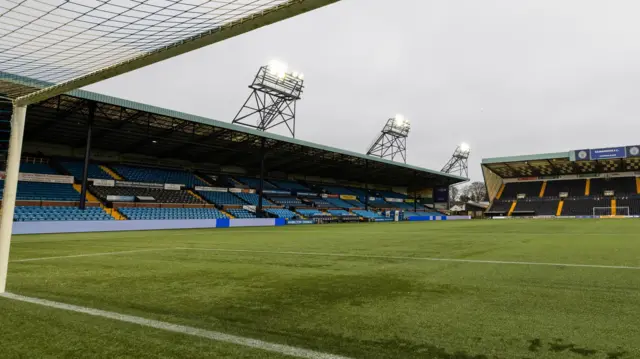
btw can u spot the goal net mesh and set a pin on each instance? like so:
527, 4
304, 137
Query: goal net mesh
609, 211
55, 41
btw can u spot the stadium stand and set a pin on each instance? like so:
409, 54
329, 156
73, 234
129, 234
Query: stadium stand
583, 206
421, 214
633, 202
76, 169
338, 190
281, 213
575, 188
337, 202
289, 185
287, 201
530, 189
137, 213
253, 199
156, 175
55, 213
391, 194
340, 213
241, 213
159, 195
368, 214
380, 203
40, 191
622, 186
312, 213
188, 145
355, 203
536, 206
359, 192
500, 207
255, 182
222, 198
42, 168
565, 183
320, 202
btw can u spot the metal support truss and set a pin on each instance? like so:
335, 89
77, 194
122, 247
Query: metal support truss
392, 140
272, 101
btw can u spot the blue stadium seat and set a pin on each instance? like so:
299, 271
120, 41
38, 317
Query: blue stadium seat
337, 202
289, 185
27, 213
338, 190
312, 213
138, 213
241, 213
37, 191
281, 213
156, 175
222, 198
76, 168
368, 214
253, 198
41, 168
340, 212
287, 201
255, 182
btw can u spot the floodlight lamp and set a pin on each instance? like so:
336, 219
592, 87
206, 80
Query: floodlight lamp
278, 68
301, 76
399, 120
464, 147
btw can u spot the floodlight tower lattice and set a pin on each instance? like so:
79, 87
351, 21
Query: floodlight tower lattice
392, 140
273, 99
459, 162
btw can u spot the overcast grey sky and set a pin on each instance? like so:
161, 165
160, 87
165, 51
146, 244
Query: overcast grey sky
507, 76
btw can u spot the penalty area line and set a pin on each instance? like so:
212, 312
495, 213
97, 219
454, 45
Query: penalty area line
182, 329
432, 259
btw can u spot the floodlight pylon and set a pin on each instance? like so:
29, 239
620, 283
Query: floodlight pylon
273, 99
458, 164
392, 140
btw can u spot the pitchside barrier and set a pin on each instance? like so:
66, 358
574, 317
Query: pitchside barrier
115, 226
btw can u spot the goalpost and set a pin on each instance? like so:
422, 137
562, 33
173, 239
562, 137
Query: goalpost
58, 46
609, 211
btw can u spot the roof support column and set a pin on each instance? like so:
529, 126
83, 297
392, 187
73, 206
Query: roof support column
366, 185
259, 211
87, 155
415, 192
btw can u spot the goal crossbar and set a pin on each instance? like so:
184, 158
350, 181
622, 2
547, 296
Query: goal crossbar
45, 58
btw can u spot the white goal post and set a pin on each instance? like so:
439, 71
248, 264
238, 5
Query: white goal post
608, 211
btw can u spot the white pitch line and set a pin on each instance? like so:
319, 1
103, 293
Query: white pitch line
433, 259
182, 329
90, 255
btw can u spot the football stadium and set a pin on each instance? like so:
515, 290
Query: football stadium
135, 231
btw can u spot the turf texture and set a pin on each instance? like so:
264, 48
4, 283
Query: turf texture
372, 300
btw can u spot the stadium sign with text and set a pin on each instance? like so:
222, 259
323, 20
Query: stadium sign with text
607, 153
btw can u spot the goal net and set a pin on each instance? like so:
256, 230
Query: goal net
610, 211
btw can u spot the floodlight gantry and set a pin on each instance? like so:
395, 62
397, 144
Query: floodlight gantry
392, 140
272, 101
459, 162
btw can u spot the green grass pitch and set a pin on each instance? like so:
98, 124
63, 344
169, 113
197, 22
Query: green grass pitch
354, 290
